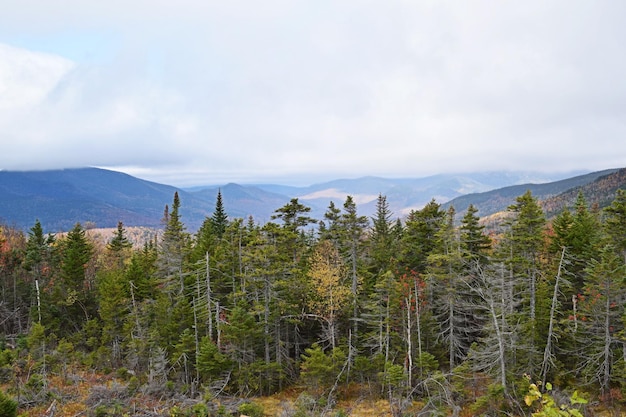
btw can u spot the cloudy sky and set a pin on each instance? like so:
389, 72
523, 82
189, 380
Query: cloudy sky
207, 92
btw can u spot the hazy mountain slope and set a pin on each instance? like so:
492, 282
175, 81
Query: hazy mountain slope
60, 198
404, 194
601, 191
244, 201
494, 201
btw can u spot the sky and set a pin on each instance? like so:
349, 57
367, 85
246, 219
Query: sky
298, 92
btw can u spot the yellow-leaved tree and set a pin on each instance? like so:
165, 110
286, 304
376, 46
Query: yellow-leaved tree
329, 289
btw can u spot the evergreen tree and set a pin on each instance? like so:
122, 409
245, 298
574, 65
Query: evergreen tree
39, 251
114, 306
293, 215
580, 234
173, 248
294, 220
382, 243
474, 243
72, 294
351, 233
120, 241
420, 237
219, 219
276, 290
602, 308
40, 260
446, 269
119, 246
522, 250
615, 222
8, 406
173, 311
141, 272
242, 345
329, 226
478, 274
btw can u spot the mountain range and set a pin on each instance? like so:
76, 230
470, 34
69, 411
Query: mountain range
100, 198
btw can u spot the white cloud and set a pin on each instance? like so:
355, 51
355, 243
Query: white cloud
193, 92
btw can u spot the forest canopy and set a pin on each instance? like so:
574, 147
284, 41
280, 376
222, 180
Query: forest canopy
419, 311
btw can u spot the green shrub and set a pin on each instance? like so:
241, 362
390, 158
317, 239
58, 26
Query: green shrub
200, 410
251, 409
8, 406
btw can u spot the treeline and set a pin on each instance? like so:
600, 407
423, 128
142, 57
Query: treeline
419, 310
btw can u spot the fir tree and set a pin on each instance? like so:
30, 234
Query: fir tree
219, 219
602, 308
72, 294
474, 242
420, 237
615, 222
119, 246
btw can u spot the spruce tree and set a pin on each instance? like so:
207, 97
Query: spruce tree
382, 243
615, 222
579, 233
173, 248
446, 270
219, 219
119, 246
474, 243
602, 309
39, 260
39, 251
71, 303
351, 229
522, 249
420, 237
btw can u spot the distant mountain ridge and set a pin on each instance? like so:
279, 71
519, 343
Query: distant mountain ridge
554, 196
600, 192
60, 198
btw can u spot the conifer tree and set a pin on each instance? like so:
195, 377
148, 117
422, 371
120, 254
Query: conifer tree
477, 274
521, 250
382, 243
72, 294
173, 305
580, 234
114, 306
602, 308
294, 218
39, 251
526, 239
40, 260
615, 222
351, 230
457, 325
474, 243
120, 241
219, 219
119, 246
329, 226
420, 237
173, 248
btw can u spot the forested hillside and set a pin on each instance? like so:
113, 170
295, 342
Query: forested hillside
421, 315
99, 198
601, 192
494, 201
61, 198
